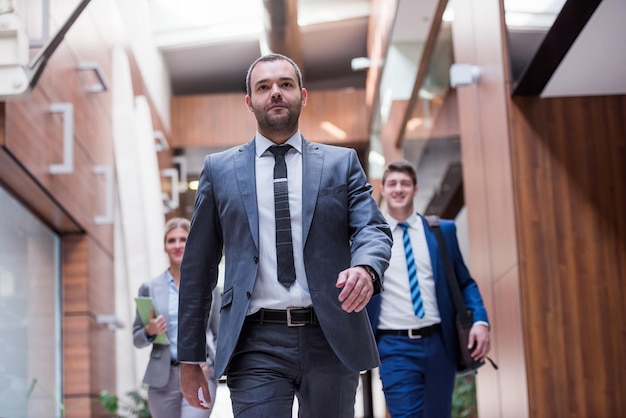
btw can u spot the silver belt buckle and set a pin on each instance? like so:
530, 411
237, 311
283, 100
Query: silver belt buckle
414, 336
290, 322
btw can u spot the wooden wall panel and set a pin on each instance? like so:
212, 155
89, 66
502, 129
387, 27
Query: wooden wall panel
217, 120
34, 135
61, 81
512, 397
223, 120
439, 120
486, 157
76, 340
101, 280
20, 184
31, 139
35, 138
76, 365
343, 109
88, 347
570, 171
392, 150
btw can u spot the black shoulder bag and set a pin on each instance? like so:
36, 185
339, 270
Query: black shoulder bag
464, 318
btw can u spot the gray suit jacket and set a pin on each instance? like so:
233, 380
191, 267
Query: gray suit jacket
342, 227
158, 370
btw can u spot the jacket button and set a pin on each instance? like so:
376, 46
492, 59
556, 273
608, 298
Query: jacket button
256, 259
248, 295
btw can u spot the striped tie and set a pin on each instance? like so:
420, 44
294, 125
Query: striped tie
418, 307
284, 246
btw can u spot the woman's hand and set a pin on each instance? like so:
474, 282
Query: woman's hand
156, 325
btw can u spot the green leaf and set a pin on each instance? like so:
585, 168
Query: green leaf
109, 401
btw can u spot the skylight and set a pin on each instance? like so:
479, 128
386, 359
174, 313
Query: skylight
188, 22
532, 13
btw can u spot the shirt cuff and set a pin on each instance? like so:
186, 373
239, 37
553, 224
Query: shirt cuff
485, 323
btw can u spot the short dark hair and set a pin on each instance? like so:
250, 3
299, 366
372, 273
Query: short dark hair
401, 166
270, 58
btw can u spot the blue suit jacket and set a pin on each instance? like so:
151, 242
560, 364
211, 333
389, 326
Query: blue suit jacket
341, 226
447, 311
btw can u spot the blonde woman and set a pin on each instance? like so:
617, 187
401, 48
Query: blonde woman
162, 374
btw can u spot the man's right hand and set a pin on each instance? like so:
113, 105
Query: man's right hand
192, 379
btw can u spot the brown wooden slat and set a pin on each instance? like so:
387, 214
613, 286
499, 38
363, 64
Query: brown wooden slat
31, 194
76, 320
282, 30
34, 137
344, 109
478, 39
392, 150
89, 348
201, 121
378, 39
223, 120
570, 171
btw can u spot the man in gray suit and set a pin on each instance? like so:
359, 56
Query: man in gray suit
293, 325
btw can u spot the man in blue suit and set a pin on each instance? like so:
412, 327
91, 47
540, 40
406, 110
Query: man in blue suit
415, 319
295, 326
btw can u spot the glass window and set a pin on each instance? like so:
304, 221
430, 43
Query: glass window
30, 314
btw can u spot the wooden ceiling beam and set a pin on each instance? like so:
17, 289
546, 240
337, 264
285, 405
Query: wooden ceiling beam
282, 32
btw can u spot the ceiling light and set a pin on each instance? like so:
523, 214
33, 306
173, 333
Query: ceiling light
333, 130
360, 63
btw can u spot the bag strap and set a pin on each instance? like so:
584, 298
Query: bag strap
453, 284
459, 303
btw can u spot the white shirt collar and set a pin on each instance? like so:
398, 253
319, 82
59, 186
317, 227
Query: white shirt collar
393, 223
262, 144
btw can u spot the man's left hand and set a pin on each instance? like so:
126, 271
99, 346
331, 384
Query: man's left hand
479, 336
193, 381
356, 288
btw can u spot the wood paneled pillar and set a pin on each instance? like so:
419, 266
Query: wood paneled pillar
479, 40
88, 347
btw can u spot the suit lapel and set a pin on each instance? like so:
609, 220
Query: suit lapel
161, 296
312, 162
433, 248
244, 170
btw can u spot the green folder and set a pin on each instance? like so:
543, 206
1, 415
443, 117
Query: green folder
143, 307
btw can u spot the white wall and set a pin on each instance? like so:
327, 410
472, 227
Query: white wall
137, 22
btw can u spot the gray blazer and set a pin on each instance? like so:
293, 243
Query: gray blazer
158, 370
342, 227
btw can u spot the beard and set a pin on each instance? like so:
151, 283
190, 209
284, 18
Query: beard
286, 121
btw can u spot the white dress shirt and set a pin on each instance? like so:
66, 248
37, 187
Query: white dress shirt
396, 308
268, 292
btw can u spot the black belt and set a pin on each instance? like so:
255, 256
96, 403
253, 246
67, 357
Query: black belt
292, 317
174, 363
412, 333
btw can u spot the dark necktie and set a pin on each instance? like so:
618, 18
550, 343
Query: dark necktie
416, 297
284, 246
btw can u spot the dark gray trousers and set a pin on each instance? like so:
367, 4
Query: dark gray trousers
273, 363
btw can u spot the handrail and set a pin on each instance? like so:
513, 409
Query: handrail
107, 171
45, 26
95, 67
67, 167
171, 202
